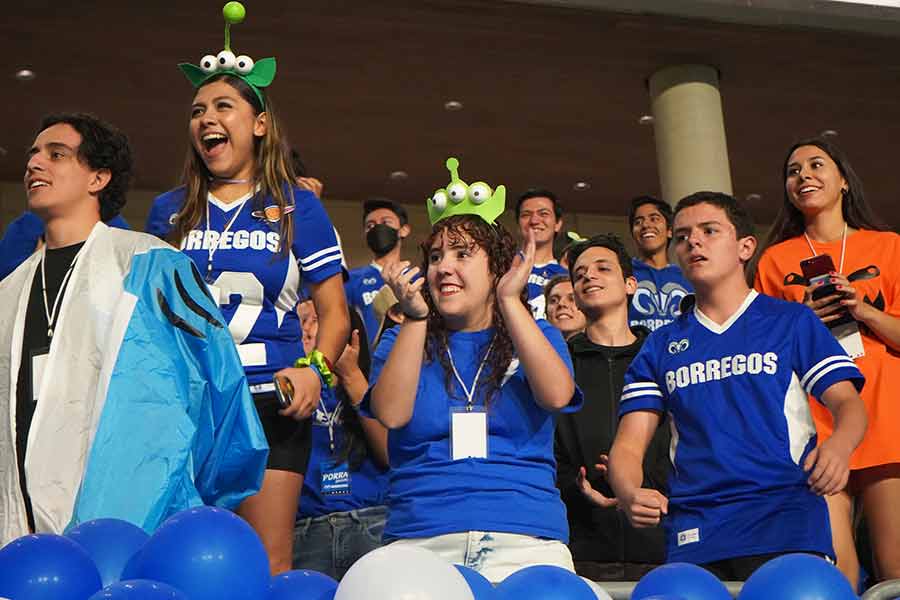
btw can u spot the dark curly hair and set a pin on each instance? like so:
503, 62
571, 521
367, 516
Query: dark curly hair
501, 249
102, 147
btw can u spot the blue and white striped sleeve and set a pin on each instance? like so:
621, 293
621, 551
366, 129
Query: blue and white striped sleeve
642, 390
315, 246
820, 361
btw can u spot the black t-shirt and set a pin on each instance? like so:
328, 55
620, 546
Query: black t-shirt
35, 340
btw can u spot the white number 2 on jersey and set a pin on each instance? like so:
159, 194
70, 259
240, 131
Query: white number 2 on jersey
251, 292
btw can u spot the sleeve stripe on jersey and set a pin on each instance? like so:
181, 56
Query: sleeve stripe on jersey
640, 393
315, 255
640, 385
844, 359
328, 259
838, 365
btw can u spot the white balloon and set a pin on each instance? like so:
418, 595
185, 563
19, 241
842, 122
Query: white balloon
403, 573
598, 591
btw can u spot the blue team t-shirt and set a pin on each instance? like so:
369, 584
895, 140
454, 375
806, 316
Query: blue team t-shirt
329, 485
258, 285
540, 275
737, 394
658, 295
21, 238
361, 288
513, 490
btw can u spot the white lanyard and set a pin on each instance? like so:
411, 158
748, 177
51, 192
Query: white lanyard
214, 247
470, 393
51, 315
331, 419
843, 247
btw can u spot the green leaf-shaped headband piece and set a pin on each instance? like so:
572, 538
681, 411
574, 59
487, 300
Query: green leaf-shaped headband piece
257, 75
459, 198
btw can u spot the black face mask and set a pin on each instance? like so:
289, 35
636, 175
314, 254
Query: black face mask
381, 239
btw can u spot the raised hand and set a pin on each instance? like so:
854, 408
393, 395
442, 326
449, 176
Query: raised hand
399, 277
514, 281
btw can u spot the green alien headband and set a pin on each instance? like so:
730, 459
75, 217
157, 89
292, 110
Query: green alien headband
257, 75
458, 198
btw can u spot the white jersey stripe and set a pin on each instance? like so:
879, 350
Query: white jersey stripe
821, 364
640, 393
326, 260
316, 255
849, 364
641, 385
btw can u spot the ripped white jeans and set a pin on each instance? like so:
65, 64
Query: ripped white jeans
494, 555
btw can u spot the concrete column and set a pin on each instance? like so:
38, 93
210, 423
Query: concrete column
689, 130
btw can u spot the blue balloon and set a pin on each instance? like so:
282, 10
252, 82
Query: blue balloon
544, 582
797, 576
110, 544
47, 567
139, 589
683, 580
207, 553
480, 586
302, 584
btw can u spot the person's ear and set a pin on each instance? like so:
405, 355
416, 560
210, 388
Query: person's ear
261, 125
99, 180
747, 248
631, 285
404, 231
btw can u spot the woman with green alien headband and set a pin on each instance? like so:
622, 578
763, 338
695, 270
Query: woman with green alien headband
467, 386
254, 234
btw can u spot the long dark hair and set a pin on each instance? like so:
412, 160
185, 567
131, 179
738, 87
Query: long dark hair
273, 171
856, 212
500, 248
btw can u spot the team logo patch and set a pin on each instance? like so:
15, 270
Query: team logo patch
272, 213
369, 281
172, 218
679, 346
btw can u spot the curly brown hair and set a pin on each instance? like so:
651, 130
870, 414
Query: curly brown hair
501, 249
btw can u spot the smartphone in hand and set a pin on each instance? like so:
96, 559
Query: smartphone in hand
819, 268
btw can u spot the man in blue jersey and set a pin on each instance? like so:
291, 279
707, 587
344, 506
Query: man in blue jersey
734, 375
661, 285
538, 210
23, 236
385, 224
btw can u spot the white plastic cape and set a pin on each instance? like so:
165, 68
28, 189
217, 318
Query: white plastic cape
143, 410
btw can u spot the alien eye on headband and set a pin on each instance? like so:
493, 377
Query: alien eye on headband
458, 198
257, 75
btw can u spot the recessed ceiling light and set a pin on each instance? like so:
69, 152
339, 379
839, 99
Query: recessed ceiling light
581, 186
645, 120
453, 105
753, 197
25, 75
399, 176
829, 133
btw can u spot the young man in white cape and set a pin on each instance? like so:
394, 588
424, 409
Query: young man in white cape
123, 392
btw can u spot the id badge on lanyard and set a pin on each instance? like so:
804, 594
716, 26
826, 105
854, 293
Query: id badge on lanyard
335, 479
38, 358
468, 432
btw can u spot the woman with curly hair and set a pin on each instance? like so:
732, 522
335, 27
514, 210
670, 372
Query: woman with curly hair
467, 387
825, 212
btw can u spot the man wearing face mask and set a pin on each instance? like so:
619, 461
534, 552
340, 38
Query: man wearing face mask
385, 224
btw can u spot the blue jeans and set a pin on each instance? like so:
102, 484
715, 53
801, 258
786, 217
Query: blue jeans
331, 543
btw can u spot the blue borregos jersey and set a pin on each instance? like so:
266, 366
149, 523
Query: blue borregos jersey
330, 485
659, 292
741, 426
361, 289
257, 285
540, 275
